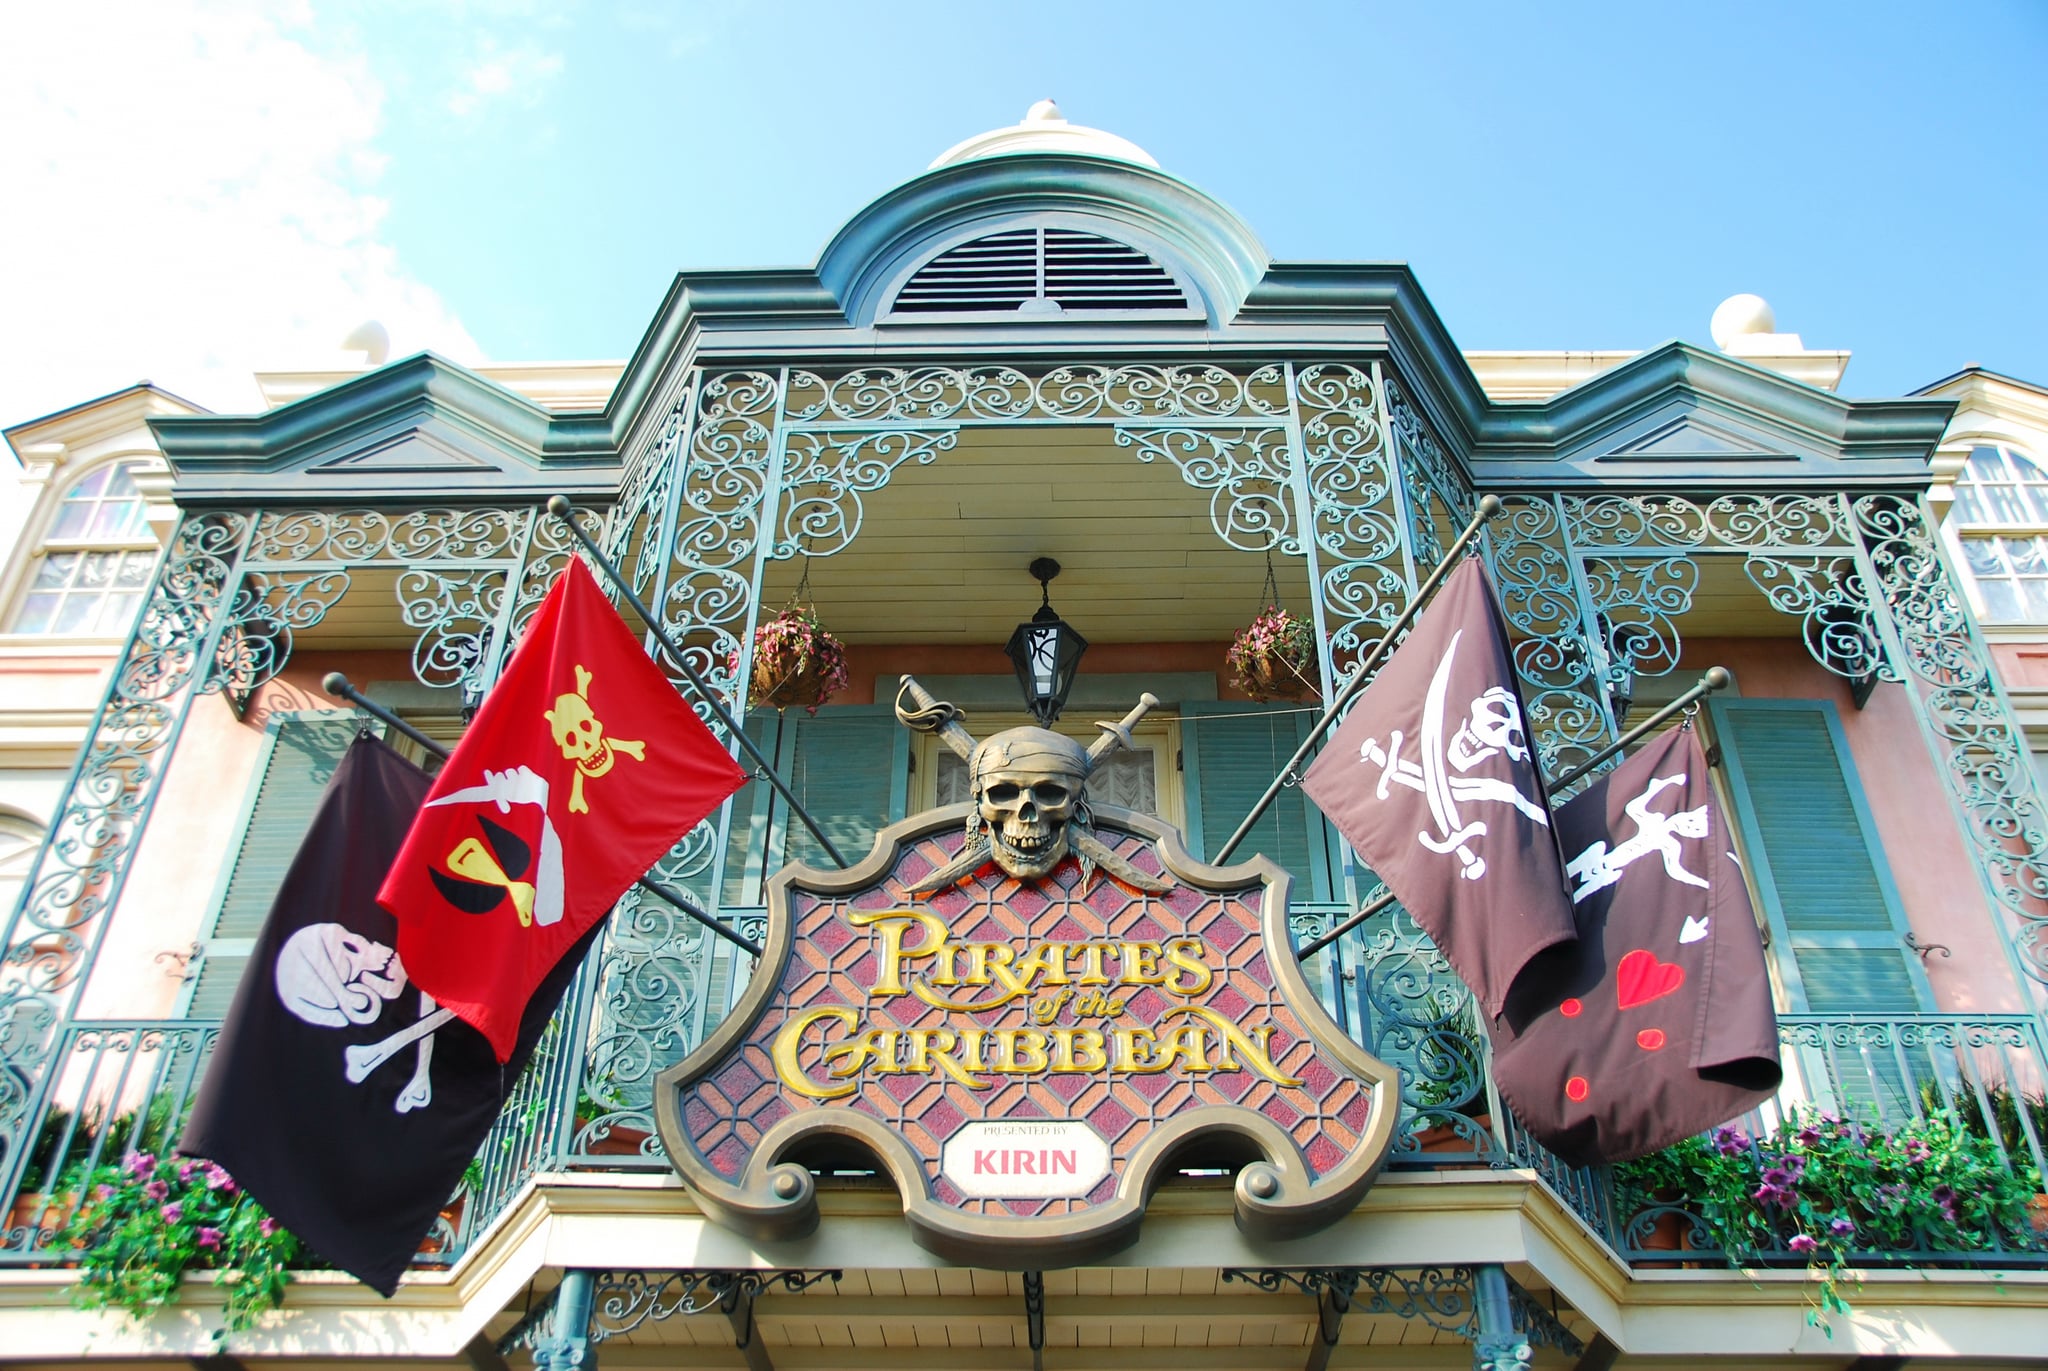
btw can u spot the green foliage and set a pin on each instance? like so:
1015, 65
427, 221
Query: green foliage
1824, 1188
143, 1223
1274, 656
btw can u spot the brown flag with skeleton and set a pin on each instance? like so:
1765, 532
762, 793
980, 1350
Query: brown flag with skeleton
1432, 779
1656, 1023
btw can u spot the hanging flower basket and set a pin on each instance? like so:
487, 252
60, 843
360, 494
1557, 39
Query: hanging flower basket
1274, 657
797, 664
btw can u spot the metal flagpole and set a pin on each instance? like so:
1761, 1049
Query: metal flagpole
561, 508
1489, 506
340, 688
1716, 678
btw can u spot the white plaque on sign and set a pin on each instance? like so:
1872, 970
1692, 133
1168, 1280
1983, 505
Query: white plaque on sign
1041, 1159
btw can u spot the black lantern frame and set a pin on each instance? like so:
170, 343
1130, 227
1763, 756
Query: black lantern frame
1046, 651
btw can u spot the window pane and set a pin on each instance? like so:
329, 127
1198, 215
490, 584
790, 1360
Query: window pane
2026, 555
119, 612
135, 569
92, 485
121, 481
35, 615
2002, 505
1969, 507
1981, 555
117, 519
2001, 600
73, 518
75, 615
97, 569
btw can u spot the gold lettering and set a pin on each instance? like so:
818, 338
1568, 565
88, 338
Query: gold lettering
1235, 1041
1129, 1057
790, 1038
1091, 963
1189, 1044
892, 924
1023, 1051
1140, 963
1186, 956
1078, 1049
933, 1047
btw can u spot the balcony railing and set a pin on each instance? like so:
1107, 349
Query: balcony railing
125, 1085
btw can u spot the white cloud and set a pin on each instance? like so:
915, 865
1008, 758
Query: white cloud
519, 75
189, 200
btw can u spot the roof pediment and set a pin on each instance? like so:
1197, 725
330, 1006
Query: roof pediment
419, 430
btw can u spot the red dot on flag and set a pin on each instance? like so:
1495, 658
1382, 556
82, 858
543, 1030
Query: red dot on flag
1575, 1089
1650, 1039
1572, 1008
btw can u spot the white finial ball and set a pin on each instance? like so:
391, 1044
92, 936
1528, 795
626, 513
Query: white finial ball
1044, 112
1741, 314
371, 339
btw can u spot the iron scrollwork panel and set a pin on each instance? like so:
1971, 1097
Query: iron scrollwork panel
57, 927
1981, 751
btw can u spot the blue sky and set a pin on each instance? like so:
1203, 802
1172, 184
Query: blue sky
241, 183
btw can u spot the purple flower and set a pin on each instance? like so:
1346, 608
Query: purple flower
1842, 1228
140, 1164
1915, 1150
1802, 1244
186, 1168
1772, 1194
208, 1237
218, 1179
174, 1211
1945, 1196
267, 1227
1729, 1142
102, 1192
1808, 1136
157, 1190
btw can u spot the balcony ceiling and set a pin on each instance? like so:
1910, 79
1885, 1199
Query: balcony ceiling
942, 552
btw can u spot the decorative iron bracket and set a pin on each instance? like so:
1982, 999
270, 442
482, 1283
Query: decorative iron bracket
1482, 1305
590, 1307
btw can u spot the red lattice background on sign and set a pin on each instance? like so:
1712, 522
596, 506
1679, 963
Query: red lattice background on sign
832, 963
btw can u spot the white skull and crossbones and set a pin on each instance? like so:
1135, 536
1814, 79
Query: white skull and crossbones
333, 977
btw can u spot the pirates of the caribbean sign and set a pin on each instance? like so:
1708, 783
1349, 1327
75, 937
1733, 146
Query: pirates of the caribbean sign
1028, 1014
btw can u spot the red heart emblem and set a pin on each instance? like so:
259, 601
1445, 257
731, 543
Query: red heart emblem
1641, 978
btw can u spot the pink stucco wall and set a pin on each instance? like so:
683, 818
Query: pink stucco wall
1930, 858
178, 864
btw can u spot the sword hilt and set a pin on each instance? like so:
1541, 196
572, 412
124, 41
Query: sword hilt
1118, 734
934, 715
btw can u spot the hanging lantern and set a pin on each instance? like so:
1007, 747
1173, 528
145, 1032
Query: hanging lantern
1045, 651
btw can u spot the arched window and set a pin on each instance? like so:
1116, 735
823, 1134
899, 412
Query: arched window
2001, 524
95, 560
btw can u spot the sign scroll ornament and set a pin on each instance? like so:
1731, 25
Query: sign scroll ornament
1028, 1014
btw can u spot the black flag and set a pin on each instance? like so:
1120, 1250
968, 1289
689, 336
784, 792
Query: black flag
1657, 1023
338, 1098
1431, 778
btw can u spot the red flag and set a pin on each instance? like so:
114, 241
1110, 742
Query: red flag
1657, 1024
580, 771
1432, 778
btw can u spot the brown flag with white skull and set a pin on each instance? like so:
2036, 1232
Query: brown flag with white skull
1657, 1022
342, 1099
1432, 779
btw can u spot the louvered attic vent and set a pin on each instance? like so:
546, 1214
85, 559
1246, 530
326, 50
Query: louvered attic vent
1038, 270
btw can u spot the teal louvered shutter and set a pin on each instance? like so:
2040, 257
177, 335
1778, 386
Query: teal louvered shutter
1230, 751
746, 831
299, 756
849, 766
1816, 859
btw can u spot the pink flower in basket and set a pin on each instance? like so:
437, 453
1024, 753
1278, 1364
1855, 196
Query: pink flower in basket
796, 662
1274, 657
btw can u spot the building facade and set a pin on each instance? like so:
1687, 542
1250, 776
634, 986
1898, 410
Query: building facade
1045, 346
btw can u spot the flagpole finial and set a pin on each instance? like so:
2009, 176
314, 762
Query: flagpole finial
1718, 678
335, 684
561, 508
1490, 506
